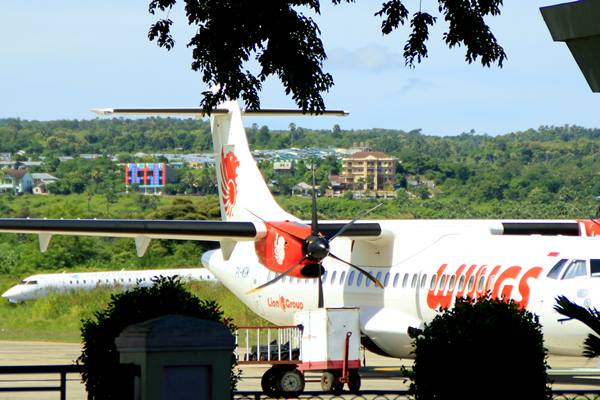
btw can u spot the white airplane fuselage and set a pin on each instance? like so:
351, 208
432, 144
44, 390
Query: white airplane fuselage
40, 285
424, 265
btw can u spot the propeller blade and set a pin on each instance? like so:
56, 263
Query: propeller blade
320, 298
365, 273
345, 227
277, 278
315, 222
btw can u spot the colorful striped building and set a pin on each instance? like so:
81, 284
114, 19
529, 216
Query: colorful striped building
147, 176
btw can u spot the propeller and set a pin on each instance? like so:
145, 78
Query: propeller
315, 248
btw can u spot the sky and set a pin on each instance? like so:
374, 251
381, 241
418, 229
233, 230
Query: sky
59, 59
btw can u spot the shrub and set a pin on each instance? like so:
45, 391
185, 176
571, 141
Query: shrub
104, 378
481, 349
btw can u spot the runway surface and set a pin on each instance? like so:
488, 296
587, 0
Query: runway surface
380, 373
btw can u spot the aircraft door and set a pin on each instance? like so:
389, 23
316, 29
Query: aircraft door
419, 284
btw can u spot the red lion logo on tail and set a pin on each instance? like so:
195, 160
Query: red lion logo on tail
229, 166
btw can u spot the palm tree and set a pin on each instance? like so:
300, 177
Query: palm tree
587, 315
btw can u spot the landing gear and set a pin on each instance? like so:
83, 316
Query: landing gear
281, 380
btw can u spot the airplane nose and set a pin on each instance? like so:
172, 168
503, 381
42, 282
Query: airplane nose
10, 294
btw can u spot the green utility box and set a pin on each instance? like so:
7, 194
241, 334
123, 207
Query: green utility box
180, 358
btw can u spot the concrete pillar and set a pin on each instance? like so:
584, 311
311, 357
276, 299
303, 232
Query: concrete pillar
180, 357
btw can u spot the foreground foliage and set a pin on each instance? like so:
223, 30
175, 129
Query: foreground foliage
103, 376
285, 42
479, 349
589, 316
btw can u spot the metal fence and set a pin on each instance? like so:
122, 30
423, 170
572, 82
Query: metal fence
61, 370
403, 395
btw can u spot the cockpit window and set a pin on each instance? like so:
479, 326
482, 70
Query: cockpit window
557, 269
31, 282
575, 269
595, 267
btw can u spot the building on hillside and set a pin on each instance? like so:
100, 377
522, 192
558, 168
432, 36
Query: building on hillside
369, 171
304, 189
335, 187
282, 166
41, 181
17, 181
150, 177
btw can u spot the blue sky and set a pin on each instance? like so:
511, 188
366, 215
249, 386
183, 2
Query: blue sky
60, 58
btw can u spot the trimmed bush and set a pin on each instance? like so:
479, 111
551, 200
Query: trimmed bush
481, 349
104, 377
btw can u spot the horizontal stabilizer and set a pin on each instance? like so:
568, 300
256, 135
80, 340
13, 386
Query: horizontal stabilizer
199, 112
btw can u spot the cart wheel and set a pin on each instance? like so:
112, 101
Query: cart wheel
267, 382
327, 381
338, 388
354, 381
290, 382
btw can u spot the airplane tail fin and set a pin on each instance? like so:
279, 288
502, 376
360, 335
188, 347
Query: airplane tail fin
243, 192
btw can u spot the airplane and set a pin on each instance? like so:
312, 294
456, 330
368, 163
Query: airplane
40, 285
400, 273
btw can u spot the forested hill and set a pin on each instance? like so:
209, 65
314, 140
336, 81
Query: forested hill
544, 165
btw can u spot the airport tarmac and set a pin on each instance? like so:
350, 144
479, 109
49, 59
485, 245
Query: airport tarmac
380, 373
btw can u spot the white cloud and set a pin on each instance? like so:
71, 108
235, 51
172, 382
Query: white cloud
371, 58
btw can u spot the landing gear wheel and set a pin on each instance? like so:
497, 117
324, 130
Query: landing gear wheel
354, 381
290, 383
267, 382
327, 381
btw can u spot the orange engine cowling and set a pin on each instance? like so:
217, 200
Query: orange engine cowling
592, 227
283, 246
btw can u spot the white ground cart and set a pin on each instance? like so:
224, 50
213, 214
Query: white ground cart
325, 340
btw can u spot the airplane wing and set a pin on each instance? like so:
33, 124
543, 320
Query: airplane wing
145, 230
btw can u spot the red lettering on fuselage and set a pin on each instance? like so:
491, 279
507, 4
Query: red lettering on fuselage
474, 284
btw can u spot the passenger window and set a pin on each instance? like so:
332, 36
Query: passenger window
452, 282
404, 281
342, 277
413, 283
480, 284
333, 277
359, 279
324, 276
433, 280
368, 281
595, 267
557, 269
386, 280
443, 281
378, 276
471, 282
423, 281
350, 278
396, 277
575, 269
